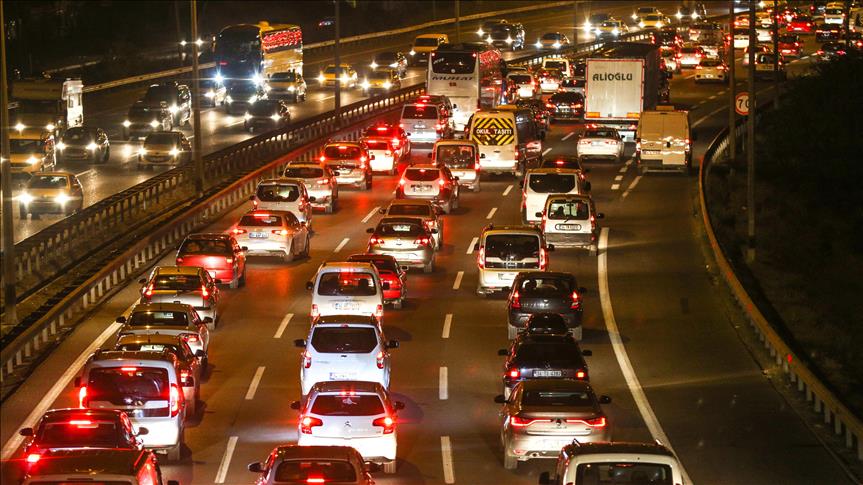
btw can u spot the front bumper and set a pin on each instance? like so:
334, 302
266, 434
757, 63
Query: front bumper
77, 154
376, 449
352, 179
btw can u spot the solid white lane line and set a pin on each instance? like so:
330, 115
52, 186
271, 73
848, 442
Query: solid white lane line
85, 172
491, 213
15, 441
471, 245
632, 186
568, 135
618, 178
620, 351
544, 152
443, 392
615, 186
446, 456
447, 323
256, 380
283, 325
341, 244
226, 460
371, 214
507, 190
458, 277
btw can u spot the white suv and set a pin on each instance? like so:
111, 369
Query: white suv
359, 414
626, 462
539, 183
506, 251
345, 348
344, 288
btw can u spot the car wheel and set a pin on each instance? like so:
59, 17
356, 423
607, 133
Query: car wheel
369, 184
306, 248
390, 467
175, 453
509, 462
107, 155
289, 255
511, 332
329, 208
429, 267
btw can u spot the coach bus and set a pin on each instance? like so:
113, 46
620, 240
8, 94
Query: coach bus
254, 52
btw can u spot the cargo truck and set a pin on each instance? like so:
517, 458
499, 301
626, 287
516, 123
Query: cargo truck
47, 104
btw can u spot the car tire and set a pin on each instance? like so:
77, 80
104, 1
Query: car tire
511, 332
429, 267
242, 281
306, 248
390, 467
192, 408
107, 155
368, 184
509, 462
329, 208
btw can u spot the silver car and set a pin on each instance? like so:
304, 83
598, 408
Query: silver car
168, 319
320, 183
191, 285
405, 238
542, 416
272, 233
314, 464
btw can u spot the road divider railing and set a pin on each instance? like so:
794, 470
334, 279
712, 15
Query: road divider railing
797, 370
161, 237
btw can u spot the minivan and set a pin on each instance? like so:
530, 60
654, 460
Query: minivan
342, 288
505, 251
284, 194
539, 183
569, 221
425, 123
663, 140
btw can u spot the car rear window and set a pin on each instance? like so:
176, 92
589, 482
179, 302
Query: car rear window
413, 112
456, 156
84, 431
551, 183
158, 317
554, 65
342, 152
551, 352
568, 209
406, 229
517, 245
306, 471
117, 384
278, 192
409, 210
544, 287
344, 340
556, 398
567, 97
205, 246
521, 78
304, 172
601, 133
377, 145
623, 473
348, 283
261, 220
179, 282
422, 174
348, 405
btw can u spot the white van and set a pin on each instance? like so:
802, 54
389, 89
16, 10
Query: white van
561, 63
539, 183
284, 194
344, 288
505, 251
495, 133
619, 462
569, 221
663, 140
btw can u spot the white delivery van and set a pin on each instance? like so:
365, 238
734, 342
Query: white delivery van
663, 140
495, 133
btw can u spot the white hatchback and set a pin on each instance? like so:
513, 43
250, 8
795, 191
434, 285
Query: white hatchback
343, 288
345, 348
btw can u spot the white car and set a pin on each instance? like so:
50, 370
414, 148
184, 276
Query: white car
343, 288
272, 233
345, 348
539, 183
285, 194
711, 70
600, 142
626, 462
569, 221
358, 414
834, 16
689, 56
320, 183
523, 84
505, 251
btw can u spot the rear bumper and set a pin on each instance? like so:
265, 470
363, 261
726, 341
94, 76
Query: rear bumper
161, 432
519, 319
567, 240
409, 257
526, 447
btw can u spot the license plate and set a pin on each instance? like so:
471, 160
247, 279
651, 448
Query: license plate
708, 76
506, 276
568, 227
419, 126
347, 306
651, 152
341, 376
258, 235
547, 373
421, 188
596, 143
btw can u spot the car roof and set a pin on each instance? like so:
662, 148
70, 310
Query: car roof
562, 171
410, 202
491, 228
356, 386
314, 452
211, 236
345, 319
144, 307
331, 266
150, 357
90, 463
546, 274
283, 180
190, 270
620, 447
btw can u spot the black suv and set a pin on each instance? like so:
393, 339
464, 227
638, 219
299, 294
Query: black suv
533, 356
175, 96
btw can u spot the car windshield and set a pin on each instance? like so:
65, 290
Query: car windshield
653, 17
178, 282
342, 152
552, 36
559, 210
610, 23
348, 404
425, 42
160, 139
399, 229
562, 353
410, 210
205, 246
380, 75
264, 108
158, 317
243, 89
26, 146
304, 172
344, 340
456, 156
413, 112
422, 174
385, 58
47, 182
623, 473
511, 245
89, 432
278, 192
307, 471
284, 77
77, 135
556, 398
601, 133
348, 283
555, 65
566, 98
261, 220
540, 287
551, 183
644, 10
454, 63
138, 112
332, 69
116, 384
160, 93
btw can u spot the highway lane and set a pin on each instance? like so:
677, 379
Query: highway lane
706, 391
108, 109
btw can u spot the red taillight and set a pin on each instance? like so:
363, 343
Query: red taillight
593, 423
309, 422
543, 259
513, 373
422, 241
516, 301
204, 293
480, 258
315, 313
307, 359
280, 232
519, 422
438, 126
184, 377
179, 261
387, 423
376, 241
698, 68
576, 301
379, 312
322, 181
81, 423
174, 400
401, 182
148, 293
395, 143
550, 106
238, 231
323, 158
380, 360
316, 480
82, 397
580, 375
190, 338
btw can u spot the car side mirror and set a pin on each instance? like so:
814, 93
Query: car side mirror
398, 405
143, 281
434, 231
438, 210
482, 155
550, 248
300, 343
370, 230
587, 353
218, 281
393, 344
429, 155
310, 286
255, 467
26, 431
476, 246
409, 134
385, 285
120, 319
312, 198
77, 382
208, 320
372, 157
200, 354
600, 215
668, 144
500, 399
503, 352
604, 400
142, 431
538, 214
456, 179
545, 479
295, 405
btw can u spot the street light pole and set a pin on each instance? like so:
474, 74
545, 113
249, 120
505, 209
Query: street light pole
9, 298
339, 73
732, 87
750, 142
775, 31
575, 24
457, 22
196, 104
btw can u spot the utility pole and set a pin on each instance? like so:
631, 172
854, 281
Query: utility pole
9, 298
732, 87
575, 25
196, 104
339, 72
750, 142
457, 22
775, 31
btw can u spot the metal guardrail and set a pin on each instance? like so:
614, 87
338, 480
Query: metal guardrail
824, 401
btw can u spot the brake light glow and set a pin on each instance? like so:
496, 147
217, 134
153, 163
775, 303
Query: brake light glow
480, 258
315, 312
280, 232
519, 422
422, 241
309, 422
179, 261
307, 359
323, 158
128, 369
204, 293
513, 373
33, 458
576, 301
593, 423
580, 375
174, 400
238, 231
441, 182
190, 338
379, 312
80, 422
376, 241
387, 423
323, 181
380, 359
82, 397
516, 301
149, 291
543, 259
315, 480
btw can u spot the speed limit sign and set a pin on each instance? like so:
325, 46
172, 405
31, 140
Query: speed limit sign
741, 104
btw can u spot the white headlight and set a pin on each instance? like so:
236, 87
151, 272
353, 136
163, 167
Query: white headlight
291, 89
20, 126
321, 78
61, 146
173, 109
25, 198
365, 84
480, 32
92, 146
679, 15
556, 45
538, 45
62, 199
659, 25
154, 123
695, 15
229, 99
509, 40
641, 24
387, 85
276, 117
32, 160
219, 78
373, 65
394, 65
634, 16
615, 31
142, 151
128, 151
489, 40
257, 79
344, 78
252, 99
413, 52
174, 152
127, 123
247, 116
50, 127
210, 94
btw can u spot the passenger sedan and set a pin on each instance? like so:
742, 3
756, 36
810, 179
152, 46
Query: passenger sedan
350, 162
381, 81
51, 192
552, 40
430, 182
345, 348
800, 23
549, 80
406, 239
391, 272
191, 285
391, 60
600, 142
212, 93
320, 183
422, 209
164, 148
545, 292
826, 32
534, 357
84, 143
566, 106
347, 76
541, 417
689, 56
711, 70
287, 84
267, 114
219, 254
313, 464
176, 319
272, 233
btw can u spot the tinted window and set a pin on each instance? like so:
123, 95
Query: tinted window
519, 245
304, 172
47, 182
261, 220
543, 287
395, 229
567, 98
84, 432
521, 78
419, 112
556, 398
342, 152
179, 282
623, 473
551, 183
377, 145
344, 340
600, 134
454, 63
332, 69
380, 75
264, 108
159, 317
555, 65
284, 77
385, 58
362, 405
300, 471
422, 174
552, 352
205, 246
456, 156
409, 210
425, 42
77, 135
347, 284
116, 383
278, 192
568, 209
161, 139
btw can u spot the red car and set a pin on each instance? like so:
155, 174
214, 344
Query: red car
391, 273
219, 254
790, 45
801, 23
